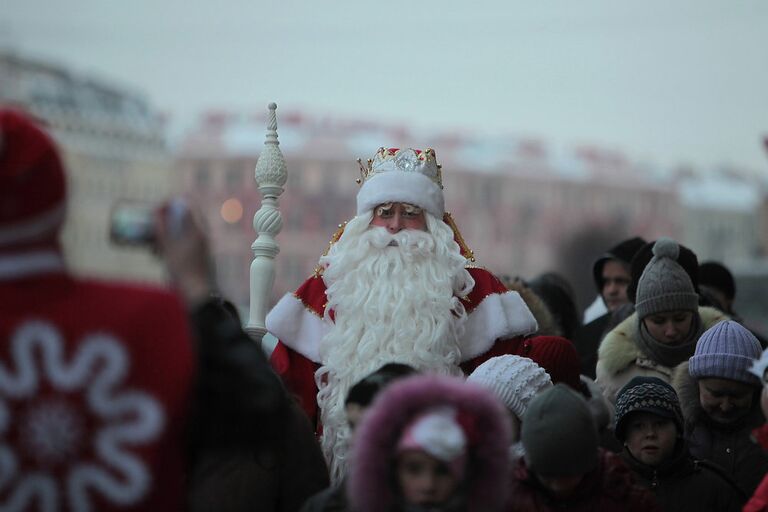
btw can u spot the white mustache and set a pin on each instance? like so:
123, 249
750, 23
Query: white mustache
418, 240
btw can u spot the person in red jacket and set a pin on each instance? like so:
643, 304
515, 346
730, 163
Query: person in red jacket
398, 284
95, 377
759, 500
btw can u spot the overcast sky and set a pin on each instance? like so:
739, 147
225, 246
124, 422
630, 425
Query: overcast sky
665, 82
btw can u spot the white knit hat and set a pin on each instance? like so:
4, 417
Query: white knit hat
514, 380
402, 176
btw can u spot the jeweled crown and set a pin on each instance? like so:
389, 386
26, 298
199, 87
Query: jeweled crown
402, 160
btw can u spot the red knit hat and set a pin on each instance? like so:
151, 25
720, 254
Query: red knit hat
557, 356
32, 183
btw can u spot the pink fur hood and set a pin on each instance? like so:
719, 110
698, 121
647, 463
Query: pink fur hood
370, 482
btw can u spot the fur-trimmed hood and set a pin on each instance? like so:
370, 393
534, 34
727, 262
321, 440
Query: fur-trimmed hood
540, 311
619, 348
370, 485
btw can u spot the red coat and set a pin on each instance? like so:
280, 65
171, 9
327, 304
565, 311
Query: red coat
607, 488
94, 382
759, 500
496, 318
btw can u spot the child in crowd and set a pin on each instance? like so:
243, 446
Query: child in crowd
564, 468
359, 399
515, 381
431, 443
650, 424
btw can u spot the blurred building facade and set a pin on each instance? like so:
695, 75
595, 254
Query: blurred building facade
520, 205
723, 217
113, 148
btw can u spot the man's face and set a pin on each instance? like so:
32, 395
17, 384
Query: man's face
398, 216
616, 279
725, 400
650, 438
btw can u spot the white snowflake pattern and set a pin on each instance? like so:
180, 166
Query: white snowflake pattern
51, 430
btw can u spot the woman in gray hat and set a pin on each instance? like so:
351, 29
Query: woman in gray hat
663, 331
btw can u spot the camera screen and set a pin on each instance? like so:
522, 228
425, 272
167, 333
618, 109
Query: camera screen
132, 225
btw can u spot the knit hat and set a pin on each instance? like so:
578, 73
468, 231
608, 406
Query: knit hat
559, 434
665, 285
717, 276
623, 252
686, 258
438, 433
32, 182
558, 357
514, 380
402, 175
726, 351
647, 394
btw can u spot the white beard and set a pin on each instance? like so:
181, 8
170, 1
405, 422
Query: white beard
395, 299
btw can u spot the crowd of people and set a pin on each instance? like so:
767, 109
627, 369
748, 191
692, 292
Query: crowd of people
406, 378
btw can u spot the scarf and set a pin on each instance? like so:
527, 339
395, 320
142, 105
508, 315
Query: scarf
669, 355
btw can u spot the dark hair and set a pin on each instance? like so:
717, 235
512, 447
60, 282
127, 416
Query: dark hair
717, 276
623, 252
556, 292
364, 391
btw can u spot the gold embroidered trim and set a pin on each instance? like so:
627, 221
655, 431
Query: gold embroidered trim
308, 307
448, 219
335, 238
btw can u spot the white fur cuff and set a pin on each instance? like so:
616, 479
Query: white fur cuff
296, 327
497, 316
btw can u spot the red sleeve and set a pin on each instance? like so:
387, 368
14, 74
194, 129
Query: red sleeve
759, 501
298, 374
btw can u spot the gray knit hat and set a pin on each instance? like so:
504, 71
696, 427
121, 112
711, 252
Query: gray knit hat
559, 434
726, 351
513, 379
665, 285
647, 394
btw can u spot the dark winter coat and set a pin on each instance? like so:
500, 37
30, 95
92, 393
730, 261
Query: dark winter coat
587, 340
609, 487
252, 447
333, 499
683, 483
729, 446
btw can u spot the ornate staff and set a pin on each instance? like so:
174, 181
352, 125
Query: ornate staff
270, 177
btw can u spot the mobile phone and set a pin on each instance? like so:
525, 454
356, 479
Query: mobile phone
132, 223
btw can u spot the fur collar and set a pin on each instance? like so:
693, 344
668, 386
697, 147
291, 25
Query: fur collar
540, 311
688, 392
619, 348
